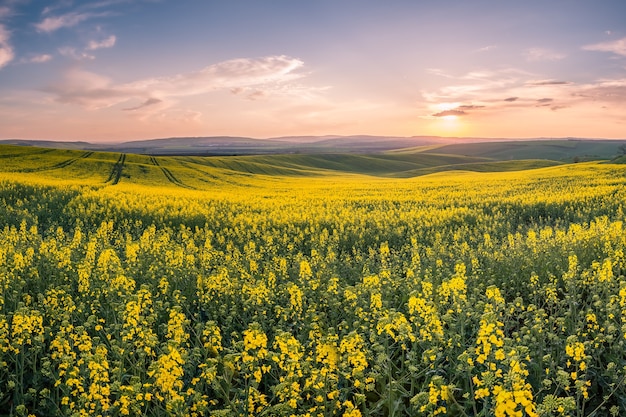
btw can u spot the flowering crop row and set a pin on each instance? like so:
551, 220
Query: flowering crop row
454, 294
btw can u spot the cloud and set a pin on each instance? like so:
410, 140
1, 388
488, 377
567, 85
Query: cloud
89, 90
235, 73
486, 48
39, 59
477, 86
6, 50
452, 112
470, 107
73, 53
542, 54
94, 91
250, 94
485, 91
607, 91
547, 82
53, 23
105, 43
5, 12
79, 55
439, 72
617, 47
454, 109
149, 102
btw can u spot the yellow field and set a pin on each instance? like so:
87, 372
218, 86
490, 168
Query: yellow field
133, 285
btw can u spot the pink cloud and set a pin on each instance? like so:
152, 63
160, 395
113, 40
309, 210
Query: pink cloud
53, 23
617, 47
105, 43
94, 91
6, 50
542, 54
40, 59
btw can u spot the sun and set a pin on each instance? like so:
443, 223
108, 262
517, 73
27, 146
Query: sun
450, 125
443, 123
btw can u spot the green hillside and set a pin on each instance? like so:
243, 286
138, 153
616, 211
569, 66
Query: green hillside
207, 172
194, 172
560, 150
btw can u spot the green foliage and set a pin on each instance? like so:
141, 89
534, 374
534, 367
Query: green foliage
206, 291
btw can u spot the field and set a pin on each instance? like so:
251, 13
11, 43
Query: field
310, 285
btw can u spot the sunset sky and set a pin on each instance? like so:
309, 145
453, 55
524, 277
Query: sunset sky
115, 70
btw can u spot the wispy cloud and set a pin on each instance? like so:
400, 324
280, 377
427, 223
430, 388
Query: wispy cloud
545, 100
546, 82
148, 103
457, 110
86, 53
470, 107
38, 59
617, 47
520, 91
53, 23
543, 54
73, 53
105, 43
94, 91
452, 112
476, 86
486, 48
5, 12
6, 50
607, 91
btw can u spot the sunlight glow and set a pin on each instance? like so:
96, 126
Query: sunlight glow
450, 125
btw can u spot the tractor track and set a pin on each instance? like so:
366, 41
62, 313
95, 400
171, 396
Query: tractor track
20, 155
168, 174
116, 172
60, 165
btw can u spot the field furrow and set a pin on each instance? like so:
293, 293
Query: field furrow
62, 164
168, 174
116, 172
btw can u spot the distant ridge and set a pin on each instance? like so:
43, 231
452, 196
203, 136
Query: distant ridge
501, 148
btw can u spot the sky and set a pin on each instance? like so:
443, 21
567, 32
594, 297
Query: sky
119, 70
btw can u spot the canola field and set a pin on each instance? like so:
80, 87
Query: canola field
132, 285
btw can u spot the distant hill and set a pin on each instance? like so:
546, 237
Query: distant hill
568, 149
230, 145
79, 145
225, 145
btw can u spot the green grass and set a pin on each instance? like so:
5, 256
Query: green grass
618, 160
561, 150
201, 173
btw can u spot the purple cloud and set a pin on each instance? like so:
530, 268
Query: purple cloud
452, 112
548, 82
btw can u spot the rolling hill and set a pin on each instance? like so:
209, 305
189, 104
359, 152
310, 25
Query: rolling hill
194, 172
495, 149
